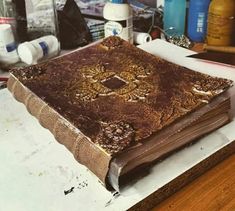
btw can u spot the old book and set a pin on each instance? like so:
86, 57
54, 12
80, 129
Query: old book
116, 107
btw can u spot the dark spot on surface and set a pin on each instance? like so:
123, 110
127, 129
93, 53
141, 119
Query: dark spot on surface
82, 185
66, 192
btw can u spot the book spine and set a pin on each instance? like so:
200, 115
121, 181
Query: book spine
83, 149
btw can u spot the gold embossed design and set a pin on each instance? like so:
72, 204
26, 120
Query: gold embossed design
129, 85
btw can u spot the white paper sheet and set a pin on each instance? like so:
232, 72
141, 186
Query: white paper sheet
36, 169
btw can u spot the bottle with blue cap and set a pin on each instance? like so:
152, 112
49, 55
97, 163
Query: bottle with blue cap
119, 19
8, 53
197, 19
36, 50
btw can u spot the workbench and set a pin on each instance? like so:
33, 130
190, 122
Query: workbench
38, 173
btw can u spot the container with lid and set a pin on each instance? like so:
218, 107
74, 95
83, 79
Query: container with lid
174, 17
8, 14
8, 53
197, 19
42, 48
13, 12
221, 23
119, 20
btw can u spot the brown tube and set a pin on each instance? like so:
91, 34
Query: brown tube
226, 49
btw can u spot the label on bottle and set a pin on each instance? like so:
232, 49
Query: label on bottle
220, 28
7, 48
11, 47
8, 53
44, 47
113, 28
123, 29
200, 22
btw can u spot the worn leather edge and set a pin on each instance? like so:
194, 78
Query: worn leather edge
82, 148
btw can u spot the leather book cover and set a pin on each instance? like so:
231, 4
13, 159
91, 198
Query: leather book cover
101, 100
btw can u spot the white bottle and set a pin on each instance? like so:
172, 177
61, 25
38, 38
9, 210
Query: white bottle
8, 53
118, 15
41, 48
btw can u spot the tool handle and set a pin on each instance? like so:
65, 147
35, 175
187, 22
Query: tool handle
226, 49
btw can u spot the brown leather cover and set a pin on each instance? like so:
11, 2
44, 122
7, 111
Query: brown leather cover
84, 151
103, 99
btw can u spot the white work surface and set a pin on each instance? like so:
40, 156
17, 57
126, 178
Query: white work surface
35, 169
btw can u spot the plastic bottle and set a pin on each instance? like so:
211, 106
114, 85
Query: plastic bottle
13, 12
8, 53
174, 17
41, 48
8, 14
221, 23
119, 19
197, 19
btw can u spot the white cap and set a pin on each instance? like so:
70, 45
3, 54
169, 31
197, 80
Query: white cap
28, 53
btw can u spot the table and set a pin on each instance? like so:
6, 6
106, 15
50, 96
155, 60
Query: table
214, 190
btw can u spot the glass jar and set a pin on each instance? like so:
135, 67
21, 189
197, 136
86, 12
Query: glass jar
41, 18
